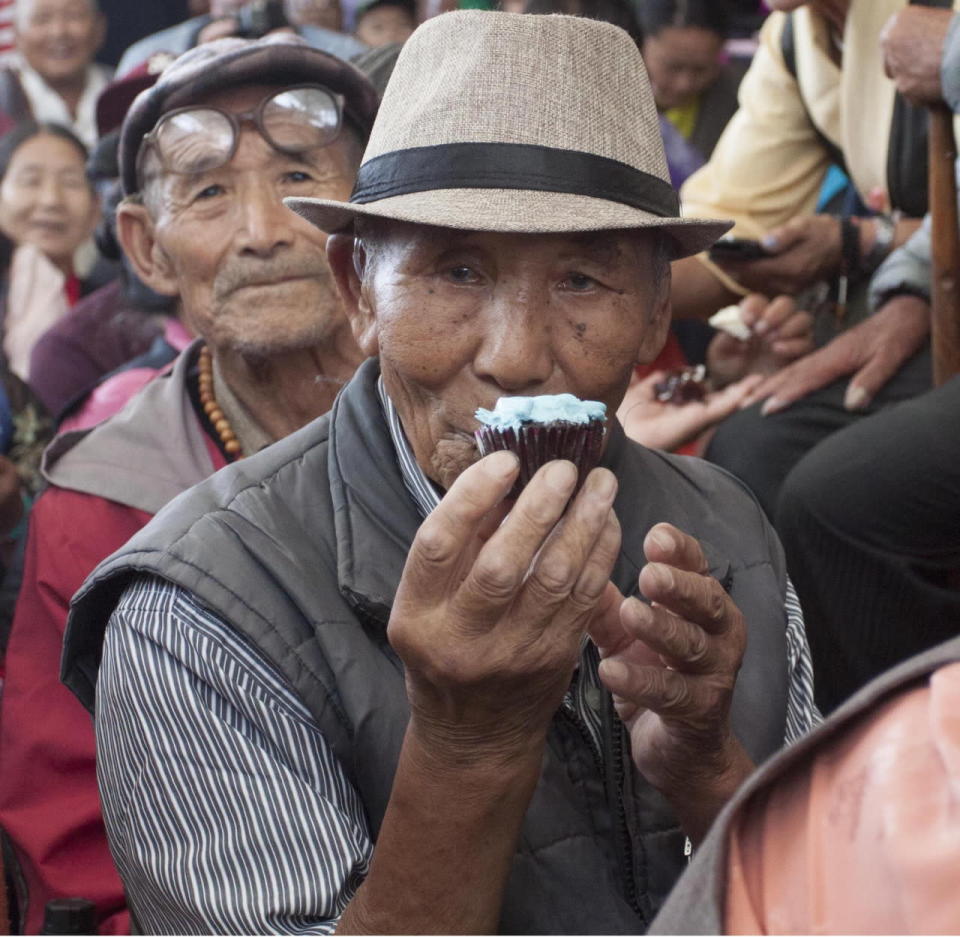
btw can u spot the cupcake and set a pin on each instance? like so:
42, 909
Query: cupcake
541, 429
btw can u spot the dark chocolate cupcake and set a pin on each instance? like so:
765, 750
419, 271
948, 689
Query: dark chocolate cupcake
541, 429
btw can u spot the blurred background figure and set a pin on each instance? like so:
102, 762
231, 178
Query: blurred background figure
248, 19
383, 22
695, 84
114, 340
48, 211
55, 78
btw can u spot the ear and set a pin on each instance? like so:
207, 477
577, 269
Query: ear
138, 238
348, 264
655, 335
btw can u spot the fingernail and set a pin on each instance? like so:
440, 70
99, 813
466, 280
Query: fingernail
613, 669
633, 613
773, 405
603, 486
501, 464
561, 476
761, 327
769, 242
662, 575
662, 539
856, 398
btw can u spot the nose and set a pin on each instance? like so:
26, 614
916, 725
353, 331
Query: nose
685, 83
51, 193
515, 353
267, 225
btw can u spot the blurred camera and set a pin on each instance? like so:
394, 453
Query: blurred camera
260, 17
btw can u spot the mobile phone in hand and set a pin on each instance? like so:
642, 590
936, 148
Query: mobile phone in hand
733, 248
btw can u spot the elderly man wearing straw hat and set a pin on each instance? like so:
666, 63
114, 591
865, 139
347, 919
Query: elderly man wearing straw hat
349, 682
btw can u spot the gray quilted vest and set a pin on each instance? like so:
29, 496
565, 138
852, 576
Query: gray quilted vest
301, 549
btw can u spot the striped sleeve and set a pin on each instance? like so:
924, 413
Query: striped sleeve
802, 712
226, 810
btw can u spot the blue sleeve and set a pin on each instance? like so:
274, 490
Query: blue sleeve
950, 68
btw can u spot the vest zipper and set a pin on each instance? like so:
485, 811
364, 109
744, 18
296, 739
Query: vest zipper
613, 785
615, 792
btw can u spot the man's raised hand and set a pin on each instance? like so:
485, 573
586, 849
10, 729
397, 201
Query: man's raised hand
671, 667
491, 609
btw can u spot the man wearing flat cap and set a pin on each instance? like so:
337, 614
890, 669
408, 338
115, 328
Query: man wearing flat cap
231, 129
353, 682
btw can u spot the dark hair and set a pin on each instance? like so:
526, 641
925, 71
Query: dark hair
657, 15
104, 160
408, 7
27, 130
618, 12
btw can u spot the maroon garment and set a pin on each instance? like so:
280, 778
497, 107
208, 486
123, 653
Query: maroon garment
101, 333
49, 805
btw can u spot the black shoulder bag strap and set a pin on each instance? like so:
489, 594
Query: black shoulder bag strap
788, 49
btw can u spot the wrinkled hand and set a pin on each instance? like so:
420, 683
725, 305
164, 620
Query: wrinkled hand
672, 667
781, 334
803, 251
490, 612
668, 426
912, 42
872, 351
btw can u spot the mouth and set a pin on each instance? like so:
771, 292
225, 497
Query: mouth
48, 228
60, 52
279, 281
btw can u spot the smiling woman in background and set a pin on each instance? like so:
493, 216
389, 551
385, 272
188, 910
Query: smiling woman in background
682, 48
48, 211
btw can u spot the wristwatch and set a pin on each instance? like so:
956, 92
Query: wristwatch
885, 230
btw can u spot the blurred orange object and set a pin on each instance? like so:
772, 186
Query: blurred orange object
864, 836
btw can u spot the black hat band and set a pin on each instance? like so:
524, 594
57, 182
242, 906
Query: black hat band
512, 166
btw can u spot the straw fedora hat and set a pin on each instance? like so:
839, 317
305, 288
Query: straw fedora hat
517, 123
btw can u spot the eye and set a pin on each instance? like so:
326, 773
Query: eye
463, 274
578, 282
211, 191
297, 175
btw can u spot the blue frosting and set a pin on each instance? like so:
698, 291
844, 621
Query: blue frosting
511, 412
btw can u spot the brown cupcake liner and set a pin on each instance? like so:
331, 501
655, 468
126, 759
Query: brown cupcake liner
535, 444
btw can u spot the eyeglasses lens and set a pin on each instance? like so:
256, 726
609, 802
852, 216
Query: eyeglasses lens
196, 140
300, 119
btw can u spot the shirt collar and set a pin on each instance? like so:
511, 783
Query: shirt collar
420, 488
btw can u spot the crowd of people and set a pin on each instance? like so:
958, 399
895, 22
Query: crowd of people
282, 653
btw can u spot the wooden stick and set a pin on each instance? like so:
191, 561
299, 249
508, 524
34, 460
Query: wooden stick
946, 245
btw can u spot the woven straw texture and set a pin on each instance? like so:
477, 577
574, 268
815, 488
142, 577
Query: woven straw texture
557, 81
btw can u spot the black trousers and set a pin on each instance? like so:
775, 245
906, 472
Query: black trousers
763, 450
868, 509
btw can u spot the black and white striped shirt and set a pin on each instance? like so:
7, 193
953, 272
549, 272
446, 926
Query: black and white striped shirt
226, 810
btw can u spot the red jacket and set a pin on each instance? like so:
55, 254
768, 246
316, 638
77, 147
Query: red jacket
49, 804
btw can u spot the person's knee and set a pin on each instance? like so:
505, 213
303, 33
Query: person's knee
754, 448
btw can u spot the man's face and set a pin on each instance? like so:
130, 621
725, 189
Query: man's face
460, 319
59, 38
251, 274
